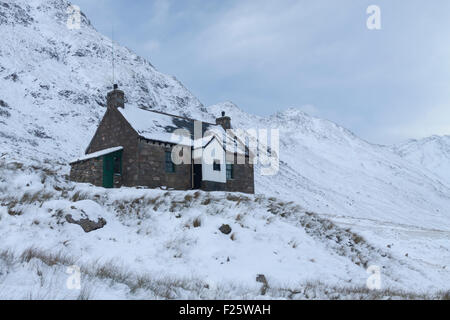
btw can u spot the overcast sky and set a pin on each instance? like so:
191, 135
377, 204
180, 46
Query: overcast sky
385, 85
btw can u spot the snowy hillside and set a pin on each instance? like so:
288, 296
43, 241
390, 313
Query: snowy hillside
330, 170
337, 204
159, 244
54, 81
432, 153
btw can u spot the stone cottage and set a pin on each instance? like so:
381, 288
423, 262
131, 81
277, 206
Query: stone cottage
137, 147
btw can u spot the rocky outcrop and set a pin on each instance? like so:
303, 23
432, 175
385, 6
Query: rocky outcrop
86, 224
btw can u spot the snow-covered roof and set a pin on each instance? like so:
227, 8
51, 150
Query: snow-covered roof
96, 154
155, 125
159, 126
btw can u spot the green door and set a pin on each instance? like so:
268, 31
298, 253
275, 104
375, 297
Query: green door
108, 171
112, 165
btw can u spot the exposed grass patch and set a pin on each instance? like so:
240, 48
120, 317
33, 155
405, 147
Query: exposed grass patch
206, 202
197, 222
37, 197
13, 210
318, 290
49, 259
7, 256
238, 198
197, 194
79, 196
445, 295
85, 293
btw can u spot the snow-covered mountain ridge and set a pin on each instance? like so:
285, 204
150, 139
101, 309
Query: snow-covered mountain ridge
432, 153
54, 81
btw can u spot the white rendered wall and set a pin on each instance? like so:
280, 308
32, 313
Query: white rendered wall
213, 151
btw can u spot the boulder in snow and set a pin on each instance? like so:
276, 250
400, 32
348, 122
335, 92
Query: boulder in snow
86, 224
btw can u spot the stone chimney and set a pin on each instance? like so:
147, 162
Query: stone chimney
116, 98
224, 121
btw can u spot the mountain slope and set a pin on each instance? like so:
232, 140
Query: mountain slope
54, 81
432, 153
330, 170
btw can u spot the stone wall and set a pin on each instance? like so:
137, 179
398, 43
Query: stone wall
115, 131
213, 186
243, 178
152, 167
88, 171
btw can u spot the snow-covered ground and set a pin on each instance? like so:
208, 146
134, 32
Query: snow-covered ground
167, 244
337, 205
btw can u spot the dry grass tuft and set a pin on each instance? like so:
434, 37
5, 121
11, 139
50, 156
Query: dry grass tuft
197, 222
49, 259
206, 202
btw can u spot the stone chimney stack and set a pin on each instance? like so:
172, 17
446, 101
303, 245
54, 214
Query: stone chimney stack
116, 98
224, 121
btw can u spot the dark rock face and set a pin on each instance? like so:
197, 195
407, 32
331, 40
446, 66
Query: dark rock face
86, 224
3, 104
12, 13
3, 112
225, 229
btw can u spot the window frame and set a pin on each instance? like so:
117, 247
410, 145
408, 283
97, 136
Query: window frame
229, 171
215, 164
